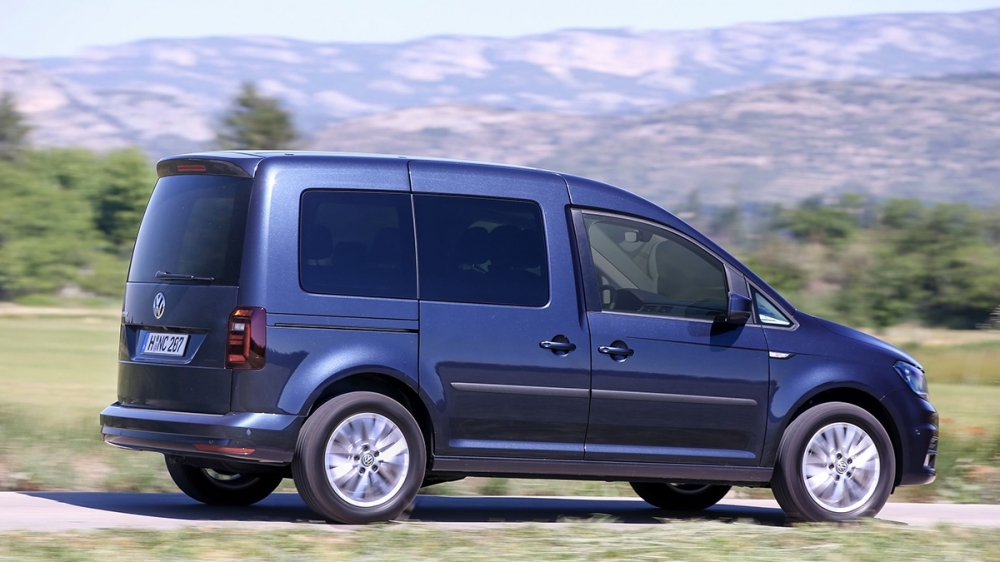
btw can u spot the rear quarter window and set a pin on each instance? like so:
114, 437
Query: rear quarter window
193, 225
357, 243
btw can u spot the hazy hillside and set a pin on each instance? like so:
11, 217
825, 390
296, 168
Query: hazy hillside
167, 93
937, 139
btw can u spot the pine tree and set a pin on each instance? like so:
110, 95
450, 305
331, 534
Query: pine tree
256, 122
13, 130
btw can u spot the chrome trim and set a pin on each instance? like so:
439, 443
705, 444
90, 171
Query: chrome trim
676, 398
521, 389
352, 328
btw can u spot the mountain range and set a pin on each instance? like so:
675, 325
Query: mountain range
885, 104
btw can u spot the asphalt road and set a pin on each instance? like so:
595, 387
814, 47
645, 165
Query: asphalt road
58, 511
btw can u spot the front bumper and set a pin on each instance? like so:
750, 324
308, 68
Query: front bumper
246, 436
917, 424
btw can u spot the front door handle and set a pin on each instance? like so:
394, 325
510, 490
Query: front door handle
560, 345
618, 350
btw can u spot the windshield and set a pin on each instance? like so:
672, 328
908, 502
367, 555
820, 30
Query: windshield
193, 226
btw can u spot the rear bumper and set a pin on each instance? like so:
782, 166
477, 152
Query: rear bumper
246, 436
917, 424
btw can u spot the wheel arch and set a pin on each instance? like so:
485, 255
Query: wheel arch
380, 383
862, 399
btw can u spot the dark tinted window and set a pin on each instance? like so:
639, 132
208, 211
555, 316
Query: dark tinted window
357, 243
194, 225
650, 270
481, 250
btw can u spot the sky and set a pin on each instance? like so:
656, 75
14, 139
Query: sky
48, 28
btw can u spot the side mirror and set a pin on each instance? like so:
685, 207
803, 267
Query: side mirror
739, 310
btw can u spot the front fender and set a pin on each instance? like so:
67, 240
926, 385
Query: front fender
797, 380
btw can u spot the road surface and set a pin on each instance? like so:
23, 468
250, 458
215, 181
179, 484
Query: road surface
59, 511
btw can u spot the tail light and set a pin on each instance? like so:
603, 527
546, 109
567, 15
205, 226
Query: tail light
246, 342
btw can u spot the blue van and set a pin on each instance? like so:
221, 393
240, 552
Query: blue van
369, 325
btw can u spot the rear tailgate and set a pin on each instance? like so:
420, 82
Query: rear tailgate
196, 380
182, 287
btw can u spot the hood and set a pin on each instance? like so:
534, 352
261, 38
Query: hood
871, 341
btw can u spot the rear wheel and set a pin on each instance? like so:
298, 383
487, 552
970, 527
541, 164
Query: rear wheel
221, 488
835, 463
680, 497
359, 458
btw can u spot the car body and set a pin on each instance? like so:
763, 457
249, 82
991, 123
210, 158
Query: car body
504, 321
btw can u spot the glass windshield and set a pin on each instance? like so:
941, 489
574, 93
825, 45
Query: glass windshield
194, 225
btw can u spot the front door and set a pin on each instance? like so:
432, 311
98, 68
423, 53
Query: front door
671, 381
504, 348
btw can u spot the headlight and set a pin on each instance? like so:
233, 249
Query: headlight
913, 377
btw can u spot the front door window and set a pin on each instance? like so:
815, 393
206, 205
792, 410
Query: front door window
649, 270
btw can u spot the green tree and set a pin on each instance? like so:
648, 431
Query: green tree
256, 122
46, 233
120, 199
13, 129
814, 222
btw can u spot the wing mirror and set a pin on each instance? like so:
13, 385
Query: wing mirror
739, 310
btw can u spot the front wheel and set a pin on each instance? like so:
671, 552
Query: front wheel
680, 497
835, 463
221, 488
360, 458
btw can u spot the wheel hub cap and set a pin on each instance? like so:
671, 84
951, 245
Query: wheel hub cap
841, 467
367, 458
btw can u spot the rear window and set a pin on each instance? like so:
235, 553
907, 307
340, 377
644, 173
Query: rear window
194, 225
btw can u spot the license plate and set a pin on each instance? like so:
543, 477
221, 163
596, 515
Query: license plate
172, 345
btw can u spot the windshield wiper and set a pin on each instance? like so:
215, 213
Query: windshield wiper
167, 276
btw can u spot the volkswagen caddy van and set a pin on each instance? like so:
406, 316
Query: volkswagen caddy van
369, 325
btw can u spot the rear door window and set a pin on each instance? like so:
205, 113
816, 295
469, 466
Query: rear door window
194, 225
481, 250
357, 243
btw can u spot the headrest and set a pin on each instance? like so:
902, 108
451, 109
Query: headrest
317, 242
473, 247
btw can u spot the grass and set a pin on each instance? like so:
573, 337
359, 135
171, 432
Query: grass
59, 371
581, 540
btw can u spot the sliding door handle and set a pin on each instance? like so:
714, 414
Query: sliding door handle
560, 345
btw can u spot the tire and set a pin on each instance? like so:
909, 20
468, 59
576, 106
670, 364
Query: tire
848, 457
680, 497
360, 458
219, 488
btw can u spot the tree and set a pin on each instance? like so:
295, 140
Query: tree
121, 199
256, 122
815, 222
13, 130
45, 233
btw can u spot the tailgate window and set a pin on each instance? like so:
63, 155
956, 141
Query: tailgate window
194, 225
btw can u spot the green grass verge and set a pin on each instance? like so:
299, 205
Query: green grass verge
59, 372
590, 540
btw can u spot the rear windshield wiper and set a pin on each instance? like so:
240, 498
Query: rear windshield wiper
167, 276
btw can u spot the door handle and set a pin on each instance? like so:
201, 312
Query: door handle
616, 349
557, 346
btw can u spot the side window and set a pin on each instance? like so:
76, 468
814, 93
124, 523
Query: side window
767, 313
649, 270
481, 250
357, 243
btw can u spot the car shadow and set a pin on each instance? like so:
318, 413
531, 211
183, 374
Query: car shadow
289, 508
